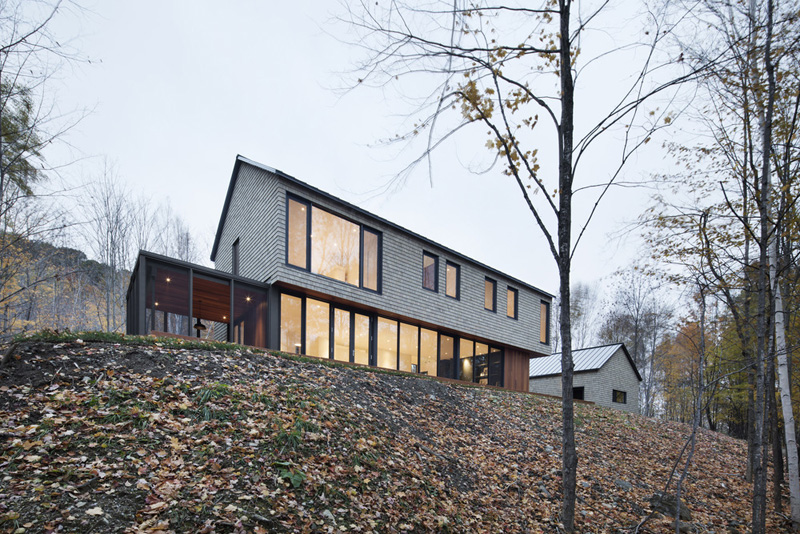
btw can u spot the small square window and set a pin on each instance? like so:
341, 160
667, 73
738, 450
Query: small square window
430, 271
490, 295
620, 397
453, 287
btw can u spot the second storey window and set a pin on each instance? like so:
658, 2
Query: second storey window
544, 322
489, 294
430, 272
511, 303
297, 234
332, 246
453, 280
235, 257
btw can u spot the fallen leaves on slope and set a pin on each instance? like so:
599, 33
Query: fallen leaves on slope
117, 438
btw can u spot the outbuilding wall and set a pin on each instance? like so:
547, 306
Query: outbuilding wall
598, 385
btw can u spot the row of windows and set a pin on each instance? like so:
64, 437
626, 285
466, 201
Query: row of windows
323, 243
318, 328
490, 298
430, 281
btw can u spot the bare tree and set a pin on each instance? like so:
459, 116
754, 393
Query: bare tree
29, 121
639, 316
490, 63
108, 232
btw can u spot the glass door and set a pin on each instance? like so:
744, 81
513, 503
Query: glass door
350, 336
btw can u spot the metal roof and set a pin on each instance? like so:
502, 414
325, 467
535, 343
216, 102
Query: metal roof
234, 175
584, 360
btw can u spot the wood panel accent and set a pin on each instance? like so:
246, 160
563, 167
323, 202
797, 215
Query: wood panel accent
516, 369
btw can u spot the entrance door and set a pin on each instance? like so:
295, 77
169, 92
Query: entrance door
350, 336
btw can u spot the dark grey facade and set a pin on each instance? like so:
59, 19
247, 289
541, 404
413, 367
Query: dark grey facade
255, 215
299, 270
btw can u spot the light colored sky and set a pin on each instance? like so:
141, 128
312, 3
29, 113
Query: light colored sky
178, 89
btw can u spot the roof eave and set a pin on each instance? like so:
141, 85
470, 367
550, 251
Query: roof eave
234, 175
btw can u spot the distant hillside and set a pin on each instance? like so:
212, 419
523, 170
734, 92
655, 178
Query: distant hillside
43, 286
126, 437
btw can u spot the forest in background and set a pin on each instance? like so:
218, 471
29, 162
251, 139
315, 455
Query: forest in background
709, 315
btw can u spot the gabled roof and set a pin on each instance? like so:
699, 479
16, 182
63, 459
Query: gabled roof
584, 360
235, 174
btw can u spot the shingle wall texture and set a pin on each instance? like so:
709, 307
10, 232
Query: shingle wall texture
257, 217
598, 385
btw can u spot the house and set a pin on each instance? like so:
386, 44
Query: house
603, 375
301, 271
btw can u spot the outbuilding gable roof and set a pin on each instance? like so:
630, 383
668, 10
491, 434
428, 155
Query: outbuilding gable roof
584, 360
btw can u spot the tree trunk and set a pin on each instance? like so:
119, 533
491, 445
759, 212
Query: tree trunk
569, 454
786, 396
759, 459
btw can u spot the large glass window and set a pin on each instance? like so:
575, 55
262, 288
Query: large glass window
297, 234
341, 335
445, 356
495, 367
481, 363
511, 303
317, 328
428, 340
544, 322
452, 289
167, 292
291, 324
409, 347
387, 343
334, 247
430, 272
339, 249
465, 355
361, 339
371, 251
489, 294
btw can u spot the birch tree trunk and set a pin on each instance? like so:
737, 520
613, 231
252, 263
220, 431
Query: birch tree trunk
785, 390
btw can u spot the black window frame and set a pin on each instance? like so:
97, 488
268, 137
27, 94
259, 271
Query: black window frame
547, 322
309, 230
235, 257
493, 309
307, 204
510, 289
449, 263
379, 234
435, 272
615, 392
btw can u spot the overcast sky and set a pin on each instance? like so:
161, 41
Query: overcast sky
178, 89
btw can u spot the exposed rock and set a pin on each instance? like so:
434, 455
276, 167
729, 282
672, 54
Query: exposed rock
667, 504
684, 527
622, 484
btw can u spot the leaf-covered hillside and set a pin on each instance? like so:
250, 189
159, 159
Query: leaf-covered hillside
121, 437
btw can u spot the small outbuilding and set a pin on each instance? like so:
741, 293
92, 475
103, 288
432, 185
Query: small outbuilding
604, 375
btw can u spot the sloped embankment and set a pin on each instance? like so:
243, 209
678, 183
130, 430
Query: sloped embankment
110, 437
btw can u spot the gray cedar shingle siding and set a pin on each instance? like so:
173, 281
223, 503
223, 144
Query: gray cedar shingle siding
257, 216
598, 385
